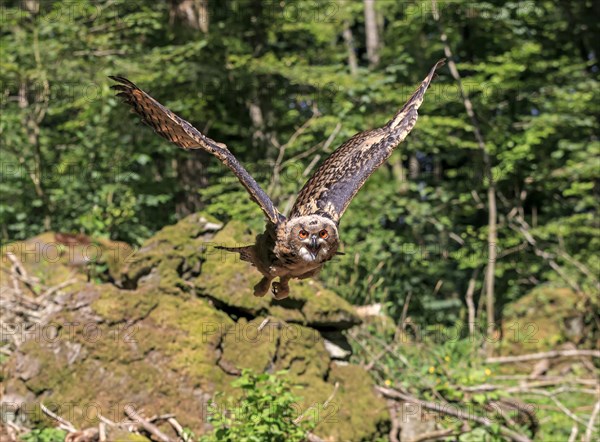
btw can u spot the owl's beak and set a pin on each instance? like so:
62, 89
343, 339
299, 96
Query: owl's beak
314, 244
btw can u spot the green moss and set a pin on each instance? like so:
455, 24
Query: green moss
302, 352
542, 320
125, 436
191, 330
364, 415
244, 346
355, 413
115, 308
322, 307
173, 254
228, 279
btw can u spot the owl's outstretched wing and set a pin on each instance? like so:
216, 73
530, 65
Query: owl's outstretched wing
329, 191
180, 132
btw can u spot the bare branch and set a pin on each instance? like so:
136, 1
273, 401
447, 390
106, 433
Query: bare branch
544, 355
573, 435
469, 300
179, 429
559, 404
590, 424
62, 423
149, 427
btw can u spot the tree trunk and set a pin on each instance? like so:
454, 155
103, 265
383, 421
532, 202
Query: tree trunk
492, 236
349, 41
193, 13
372, 33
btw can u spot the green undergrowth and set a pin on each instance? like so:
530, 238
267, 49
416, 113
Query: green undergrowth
452, 370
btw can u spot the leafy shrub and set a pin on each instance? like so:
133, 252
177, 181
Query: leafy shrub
45, 435
266, 411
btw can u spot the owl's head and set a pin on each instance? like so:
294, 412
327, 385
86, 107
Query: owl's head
312, 237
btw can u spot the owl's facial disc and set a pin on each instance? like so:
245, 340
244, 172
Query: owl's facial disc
314, 236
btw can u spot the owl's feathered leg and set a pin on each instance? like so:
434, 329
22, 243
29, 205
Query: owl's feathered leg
262, 287
281, 289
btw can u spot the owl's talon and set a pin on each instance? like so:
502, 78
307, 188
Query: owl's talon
262, 287
280, 290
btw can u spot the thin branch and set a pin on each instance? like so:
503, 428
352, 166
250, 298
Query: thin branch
62, 423
580, 266
282, 148
559, 404
317, 146
523, 228
544, 355
469, 300
396, 425
102, 431
51, 290
574, 431
107, 421
179, 429
332, 395
264, 323
311, 165
549, 380
101, 52
405, 310
590, 425
311, 437
18, 272
524, 387
149, 427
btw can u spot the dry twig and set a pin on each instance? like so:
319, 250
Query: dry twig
179, 429
62, 423
590, 424
147, 425
544, 355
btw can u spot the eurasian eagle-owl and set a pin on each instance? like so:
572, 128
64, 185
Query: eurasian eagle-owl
296, 246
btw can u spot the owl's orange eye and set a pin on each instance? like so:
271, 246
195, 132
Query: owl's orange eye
303, 234
323, 234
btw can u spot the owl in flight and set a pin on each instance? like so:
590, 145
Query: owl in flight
296, 246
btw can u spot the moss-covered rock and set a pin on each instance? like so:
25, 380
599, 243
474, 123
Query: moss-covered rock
544, 319
356, 404
52, 258
174, 254
180, 328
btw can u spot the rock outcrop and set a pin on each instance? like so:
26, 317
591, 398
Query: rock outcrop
167, 326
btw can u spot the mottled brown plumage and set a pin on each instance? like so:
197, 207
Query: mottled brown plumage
329, 191
298, 246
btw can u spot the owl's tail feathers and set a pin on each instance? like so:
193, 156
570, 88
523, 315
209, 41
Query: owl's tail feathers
246, 252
